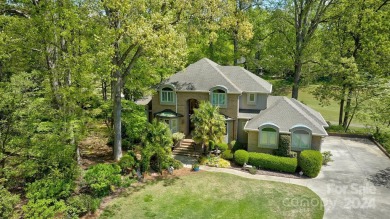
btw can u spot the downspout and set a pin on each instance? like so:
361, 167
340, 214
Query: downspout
176, 100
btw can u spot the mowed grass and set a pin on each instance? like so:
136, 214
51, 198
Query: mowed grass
217, 195
330, 112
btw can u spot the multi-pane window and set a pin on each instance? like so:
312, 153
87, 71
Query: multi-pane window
268, 138
301, 139
167, 95
219, 98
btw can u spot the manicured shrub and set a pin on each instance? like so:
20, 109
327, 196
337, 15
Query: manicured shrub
241, 157
8, 202
176, 164
211, 145
326, 157
44, 208
228, 155
80, 205
236, 146
177, 136
271, 162
101, 177
310, 162
293, 154
252, 170
126, 163
50, 187
284, 148
222, 146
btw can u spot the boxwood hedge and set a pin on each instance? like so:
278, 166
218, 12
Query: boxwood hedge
271, 162
310, 162
241, 157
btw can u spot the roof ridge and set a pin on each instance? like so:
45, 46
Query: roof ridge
222, 74
290, 102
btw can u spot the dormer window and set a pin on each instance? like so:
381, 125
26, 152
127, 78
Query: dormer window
167, 95
218, 98
251, 98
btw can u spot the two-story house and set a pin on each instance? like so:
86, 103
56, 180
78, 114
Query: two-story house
253, 116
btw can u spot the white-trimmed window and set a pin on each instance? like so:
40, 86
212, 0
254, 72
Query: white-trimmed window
268, 138
300, 139
167, 95
251, 98
218, 98
172, 123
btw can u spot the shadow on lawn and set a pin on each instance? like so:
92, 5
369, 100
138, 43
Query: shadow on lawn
381, 178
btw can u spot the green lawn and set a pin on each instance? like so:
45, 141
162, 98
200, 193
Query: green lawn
216, 195
329, 112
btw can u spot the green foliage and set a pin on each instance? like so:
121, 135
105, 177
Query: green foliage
178, 136
310, 162
215, 161
241, 157
228, 155
203, 160
80, 205
252, 170
8, 202
272, 162
284, 148
211, 145
101, 178
44, 208
222, 146
133, 122
384, 139
326, 157
157, 146
209, 124
50, 187
176, 164
126, 162
236, 146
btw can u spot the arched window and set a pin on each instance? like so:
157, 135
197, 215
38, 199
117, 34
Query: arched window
268, 136
218, 98
300, 138
167, 95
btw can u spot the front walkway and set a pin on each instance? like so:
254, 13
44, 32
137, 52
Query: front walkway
355, 185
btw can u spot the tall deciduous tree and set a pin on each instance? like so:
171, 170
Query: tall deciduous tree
140, 34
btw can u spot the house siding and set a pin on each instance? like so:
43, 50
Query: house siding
261, 102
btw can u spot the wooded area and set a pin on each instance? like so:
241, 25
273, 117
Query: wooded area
65, 64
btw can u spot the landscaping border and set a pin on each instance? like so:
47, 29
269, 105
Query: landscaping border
370, 137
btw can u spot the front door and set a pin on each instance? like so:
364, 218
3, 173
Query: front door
192, 104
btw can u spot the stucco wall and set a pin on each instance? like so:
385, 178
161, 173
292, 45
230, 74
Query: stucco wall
261, 101
316, 142
253, 142
182, 108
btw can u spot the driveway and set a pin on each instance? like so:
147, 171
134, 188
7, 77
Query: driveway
355, 185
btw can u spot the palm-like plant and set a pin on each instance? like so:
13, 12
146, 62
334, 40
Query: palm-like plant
209, 125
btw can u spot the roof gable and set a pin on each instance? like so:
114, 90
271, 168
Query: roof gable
205, 74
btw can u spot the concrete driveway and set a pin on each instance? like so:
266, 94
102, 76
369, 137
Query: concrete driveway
357, 183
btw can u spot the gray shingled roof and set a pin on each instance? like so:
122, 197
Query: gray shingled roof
286, 113
206, 74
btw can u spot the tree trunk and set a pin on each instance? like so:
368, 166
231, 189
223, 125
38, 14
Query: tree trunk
211, 51
235, 49
341, 112
347, 108
297, 75
117, 113
104, 90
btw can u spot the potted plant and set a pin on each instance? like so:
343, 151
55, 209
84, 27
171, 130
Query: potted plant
195, 167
